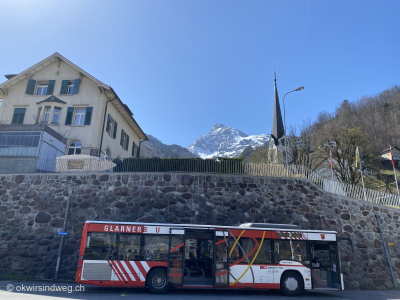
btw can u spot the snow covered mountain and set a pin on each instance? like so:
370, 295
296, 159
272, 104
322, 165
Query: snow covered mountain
224, 141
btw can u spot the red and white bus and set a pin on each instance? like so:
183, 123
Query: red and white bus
253, 255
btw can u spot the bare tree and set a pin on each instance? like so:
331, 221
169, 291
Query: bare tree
342, 142
301, 144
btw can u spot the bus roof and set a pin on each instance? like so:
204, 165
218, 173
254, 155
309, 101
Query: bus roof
277, 227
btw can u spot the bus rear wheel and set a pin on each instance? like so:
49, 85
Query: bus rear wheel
157, 282
292, 284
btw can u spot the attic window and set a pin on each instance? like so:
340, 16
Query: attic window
71, 88
42, 89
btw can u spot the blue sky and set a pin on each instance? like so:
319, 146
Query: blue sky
183, 66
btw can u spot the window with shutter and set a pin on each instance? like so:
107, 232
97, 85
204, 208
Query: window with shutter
42, 88
111, 127
19, 115
124, 142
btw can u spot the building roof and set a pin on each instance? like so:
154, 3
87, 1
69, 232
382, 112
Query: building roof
10, 76
52, 98
277, 125
104, 88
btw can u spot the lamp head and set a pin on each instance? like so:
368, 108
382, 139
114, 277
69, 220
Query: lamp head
300, 88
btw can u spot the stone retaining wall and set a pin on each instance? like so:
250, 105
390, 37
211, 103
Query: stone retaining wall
32, 209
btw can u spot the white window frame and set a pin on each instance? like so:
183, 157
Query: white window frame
71, 87
46, 111
125, 145
38, 120
81, 118
111, 128
56, 113
42, 85
74, 147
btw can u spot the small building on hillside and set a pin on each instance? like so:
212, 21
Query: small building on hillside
385, 154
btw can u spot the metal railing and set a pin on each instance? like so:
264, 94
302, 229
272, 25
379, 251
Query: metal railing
330, 186
186, 165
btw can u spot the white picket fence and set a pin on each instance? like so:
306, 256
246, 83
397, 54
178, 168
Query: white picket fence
334, 187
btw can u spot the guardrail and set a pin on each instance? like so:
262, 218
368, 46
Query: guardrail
187, 165
331, 186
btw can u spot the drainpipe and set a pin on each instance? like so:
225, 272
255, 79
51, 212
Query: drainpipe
138, 152
104, 122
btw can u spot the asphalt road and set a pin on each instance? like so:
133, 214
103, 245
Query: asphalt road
20, 291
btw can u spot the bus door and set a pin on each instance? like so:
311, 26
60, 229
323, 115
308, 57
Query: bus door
198, 267
325, 267
221, 255
176, 257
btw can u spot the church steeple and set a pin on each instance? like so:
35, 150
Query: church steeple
277, 126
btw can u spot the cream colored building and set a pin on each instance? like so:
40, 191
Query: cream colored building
73, 103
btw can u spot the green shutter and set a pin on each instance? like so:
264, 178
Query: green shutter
76, 86
88, 115
64, 87
127, 143
30, 88
15, 116
121, 142
108, 123
50, 89
115, 130
68, 119
133, 149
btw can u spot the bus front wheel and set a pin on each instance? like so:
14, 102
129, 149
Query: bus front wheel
292, 284
156, 281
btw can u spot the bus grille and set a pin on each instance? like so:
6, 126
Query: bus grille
96, 271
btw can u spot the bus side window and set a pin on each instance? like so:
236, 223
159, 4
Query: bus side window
156, 247
291, 250
129, 246
100, 246
264, 255
282, 250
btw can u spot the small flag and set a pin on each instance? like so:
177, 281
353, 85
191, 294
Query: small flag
391, 157
331, 161
357, 157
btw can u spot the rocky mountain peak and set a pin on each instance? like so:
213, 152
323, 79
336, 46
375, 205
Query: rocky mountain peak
224, 141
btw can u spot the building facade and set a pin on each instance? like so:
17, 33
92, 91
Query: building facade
73, 103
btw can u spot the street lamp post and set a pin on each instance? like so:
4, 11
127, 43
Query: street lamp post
284, 121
